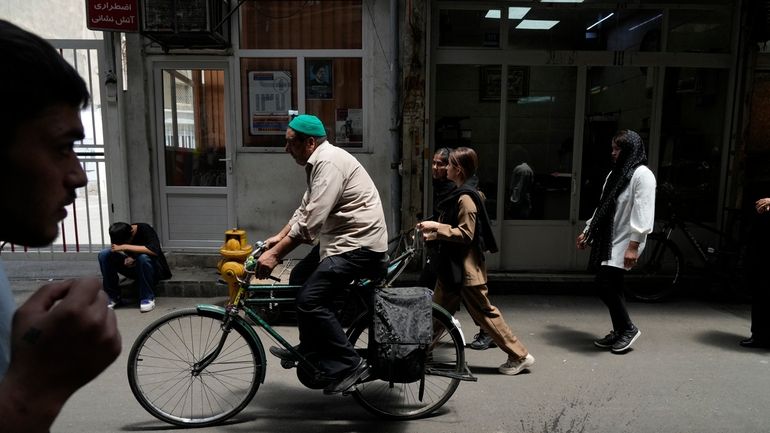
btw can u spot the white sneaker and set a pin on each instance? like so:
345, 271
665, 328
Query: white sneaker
512, 366
147, 305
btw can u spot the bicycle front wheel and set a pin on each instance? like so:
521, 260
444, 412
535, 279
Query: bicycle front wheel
657, 271
162, 370
402, 400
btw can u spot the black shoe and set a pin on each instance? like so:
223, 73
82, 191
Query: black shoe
348, 380
284, 354
625, 340
482, 341
607, 341
755, 343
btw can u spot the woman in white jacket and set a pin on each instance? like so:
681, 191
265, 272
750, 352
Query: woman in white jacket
617, 232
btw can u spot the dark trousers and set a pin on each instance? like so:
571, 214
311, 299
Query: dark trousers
305, 267
319, 328
146, 273
609, 286
757, 258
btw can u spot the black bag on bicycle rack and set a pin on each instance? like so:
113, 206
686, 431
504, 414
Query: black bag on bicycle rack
401, 333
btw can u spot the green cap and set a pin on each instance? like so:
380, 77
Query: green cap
308, 125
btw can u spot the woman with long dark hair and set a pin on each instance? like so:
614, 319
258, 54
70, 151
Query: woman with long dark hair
617, 232
463, 234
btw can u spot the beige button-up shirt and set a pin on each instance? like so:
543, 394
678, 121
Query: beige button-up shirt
341, 206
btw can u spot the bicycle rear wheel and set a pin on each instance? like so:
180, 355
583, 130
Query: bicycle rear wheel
657, 271
401, 400
161, 368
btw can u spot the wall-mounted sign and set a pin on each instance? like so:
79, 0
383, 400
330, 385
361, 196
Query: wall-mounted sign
113, 15
269, 102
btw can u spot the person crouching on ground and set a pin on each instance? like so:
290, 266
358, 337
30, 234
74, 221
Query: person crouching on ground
136, 254
463, 232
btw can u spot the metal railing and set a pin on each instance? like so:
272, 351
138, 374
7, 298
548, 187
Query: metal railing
84, 230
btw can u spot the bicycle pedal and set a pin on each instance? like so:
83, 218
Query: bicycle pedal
287, 364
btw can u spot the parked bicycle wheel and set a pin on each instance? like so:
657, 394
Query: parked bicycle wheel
401, 401
163, 374
657, 271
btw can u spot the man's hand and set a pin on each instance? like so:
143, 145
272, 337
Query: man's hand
266, 263
61, 338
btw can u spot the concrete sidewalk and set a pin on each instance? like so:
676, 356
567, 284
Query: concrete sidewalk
196, 276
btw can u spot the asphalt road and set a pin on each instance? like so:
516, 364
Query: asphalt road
686, 373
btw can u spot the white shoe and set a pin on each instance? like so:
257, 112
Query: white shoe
147, 305
513, 366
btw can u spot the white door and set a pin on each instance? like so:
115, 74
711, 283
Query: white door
194, 154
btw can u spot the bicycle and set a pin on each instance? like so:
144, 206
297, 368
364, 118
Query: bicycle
661, 268
200, 366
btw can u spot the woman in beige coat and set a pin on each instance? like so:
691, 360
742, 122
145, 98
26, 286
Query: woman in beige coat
463, 234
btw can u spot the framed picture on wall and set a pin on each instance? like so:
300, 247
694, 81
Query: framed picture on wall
320, 81
489, 82
269, 102
349, 127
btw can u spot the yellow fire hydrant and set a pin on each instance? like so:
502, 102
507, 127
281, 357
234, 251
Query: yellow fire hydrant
234, 253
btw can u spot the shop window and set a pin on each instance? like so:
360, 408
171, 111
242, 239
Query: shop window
540, 123
301, 25
332, 91
465, 116
194, 131
616, 98
469, 28
692, 136
327, 84
700, 31
585, 29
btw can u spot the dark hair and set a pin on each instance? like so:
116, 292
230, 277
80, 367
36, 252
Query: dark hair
466, 159
120, 233
443, 153
35, 76
631, 147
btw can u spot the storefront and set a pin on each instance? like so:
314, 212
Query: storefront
536, 87
575, 73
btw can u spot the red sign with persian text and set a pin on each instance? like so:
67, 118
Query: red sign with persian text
113, 15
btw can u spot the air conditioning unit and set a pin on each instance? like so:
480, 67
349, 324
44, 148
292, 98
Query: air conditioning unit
191, 24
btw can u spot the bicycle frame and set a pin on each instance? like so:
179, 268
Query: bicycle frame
241, 301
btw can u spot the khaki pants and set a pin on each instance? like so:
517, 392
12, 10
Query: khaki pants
486, 315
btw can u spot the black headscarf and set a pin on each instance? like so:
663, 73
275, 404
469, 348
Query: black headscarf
600, 232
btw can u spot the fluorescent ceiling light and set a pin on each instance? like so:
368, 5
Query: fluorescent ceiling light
648, 21
536, 24
599, 22
516, 13
561, 1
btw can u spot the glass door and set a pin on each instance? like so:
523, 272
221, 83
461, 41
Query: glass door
195, 163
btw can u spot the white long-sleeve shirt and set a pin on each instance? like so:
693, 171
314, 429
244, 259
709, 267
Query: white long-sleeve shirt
634, 215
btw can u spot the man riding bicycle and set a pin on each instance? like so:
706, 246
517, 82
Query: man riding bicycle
341, 209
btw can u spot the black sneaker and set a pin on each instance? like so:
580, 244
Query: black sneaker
625, 340
607, 341
348, 380
482, 341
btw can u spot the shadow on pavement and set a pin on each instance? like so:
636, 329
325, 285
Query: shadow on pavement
723, 340
572, 339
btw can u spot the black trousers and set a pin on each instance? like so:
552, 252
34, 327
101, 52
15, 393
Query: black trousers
320, 331
609, 286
